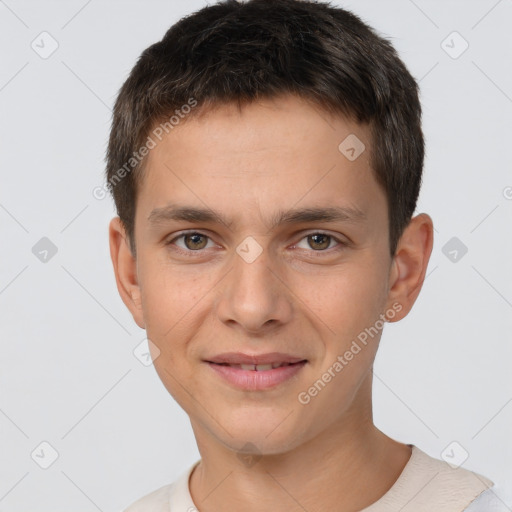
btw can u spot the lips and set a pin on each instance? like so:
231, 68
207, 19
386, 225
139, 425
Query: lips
275, 359
256, 367
257, 371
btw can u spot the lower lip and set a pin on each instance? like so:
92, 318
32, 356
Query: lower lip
254, 380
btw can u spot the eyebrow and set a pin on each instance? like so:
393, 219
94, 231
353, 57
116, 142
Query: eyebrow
295, 216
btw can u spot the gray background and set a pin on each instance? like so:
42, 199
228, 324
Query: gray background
68, 374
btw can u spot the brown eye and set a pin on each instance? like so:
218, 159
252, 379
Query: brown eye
319, 241
195, 241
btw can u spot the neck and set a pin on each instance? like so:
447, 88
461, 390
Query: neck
348, 466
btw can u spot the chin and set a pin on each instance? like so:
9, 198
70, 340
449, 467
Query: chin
262, 431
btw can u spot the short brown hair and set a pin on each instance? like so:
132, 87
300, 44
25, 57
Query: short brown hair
242, 51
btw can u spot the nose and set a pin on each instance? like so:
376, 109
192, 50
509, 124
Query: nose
254, 296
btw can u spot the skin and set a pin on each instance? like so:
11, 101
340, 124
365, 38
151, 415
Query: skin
298, 297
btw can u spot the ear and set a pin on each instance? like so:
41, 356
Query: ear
125, 270
409, 265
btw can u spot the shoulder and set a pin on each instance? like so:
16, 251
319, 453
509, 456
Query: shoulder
155, 501
427, 484
174, 496
488, 501
452, 487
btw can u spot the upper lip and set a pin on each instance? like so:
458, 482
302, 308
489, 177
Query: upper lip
241, 358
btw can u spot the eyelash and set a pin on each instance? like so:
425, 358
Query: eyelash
190, 253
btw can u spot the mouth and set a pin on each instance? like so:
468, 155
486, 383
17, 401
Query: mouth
257, 367
256, 372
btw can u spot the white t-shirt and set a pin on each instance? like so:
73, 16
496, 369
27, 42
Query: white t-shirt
425, 485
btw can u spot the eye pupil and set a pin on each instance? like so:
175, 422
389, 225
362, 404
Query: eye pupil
319, 241
195, 238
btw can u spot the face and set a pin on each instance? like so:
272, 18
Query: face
259, 242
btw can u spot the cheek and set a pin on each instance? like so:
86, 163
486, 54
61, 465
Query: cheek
176, 305
345, 301
170, 296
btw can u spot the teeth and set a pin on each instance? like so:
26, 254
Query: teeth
255, 367
263, 367
258, 367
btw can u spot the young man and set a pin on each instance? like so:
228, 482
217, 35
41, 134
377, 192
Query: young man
265, 159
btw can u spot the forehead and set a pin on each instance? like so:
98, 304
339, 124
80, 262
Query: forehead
269, 155
286, 125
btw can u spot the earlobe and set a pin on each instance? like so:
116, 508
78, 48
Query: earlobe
125, 270
410, 263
